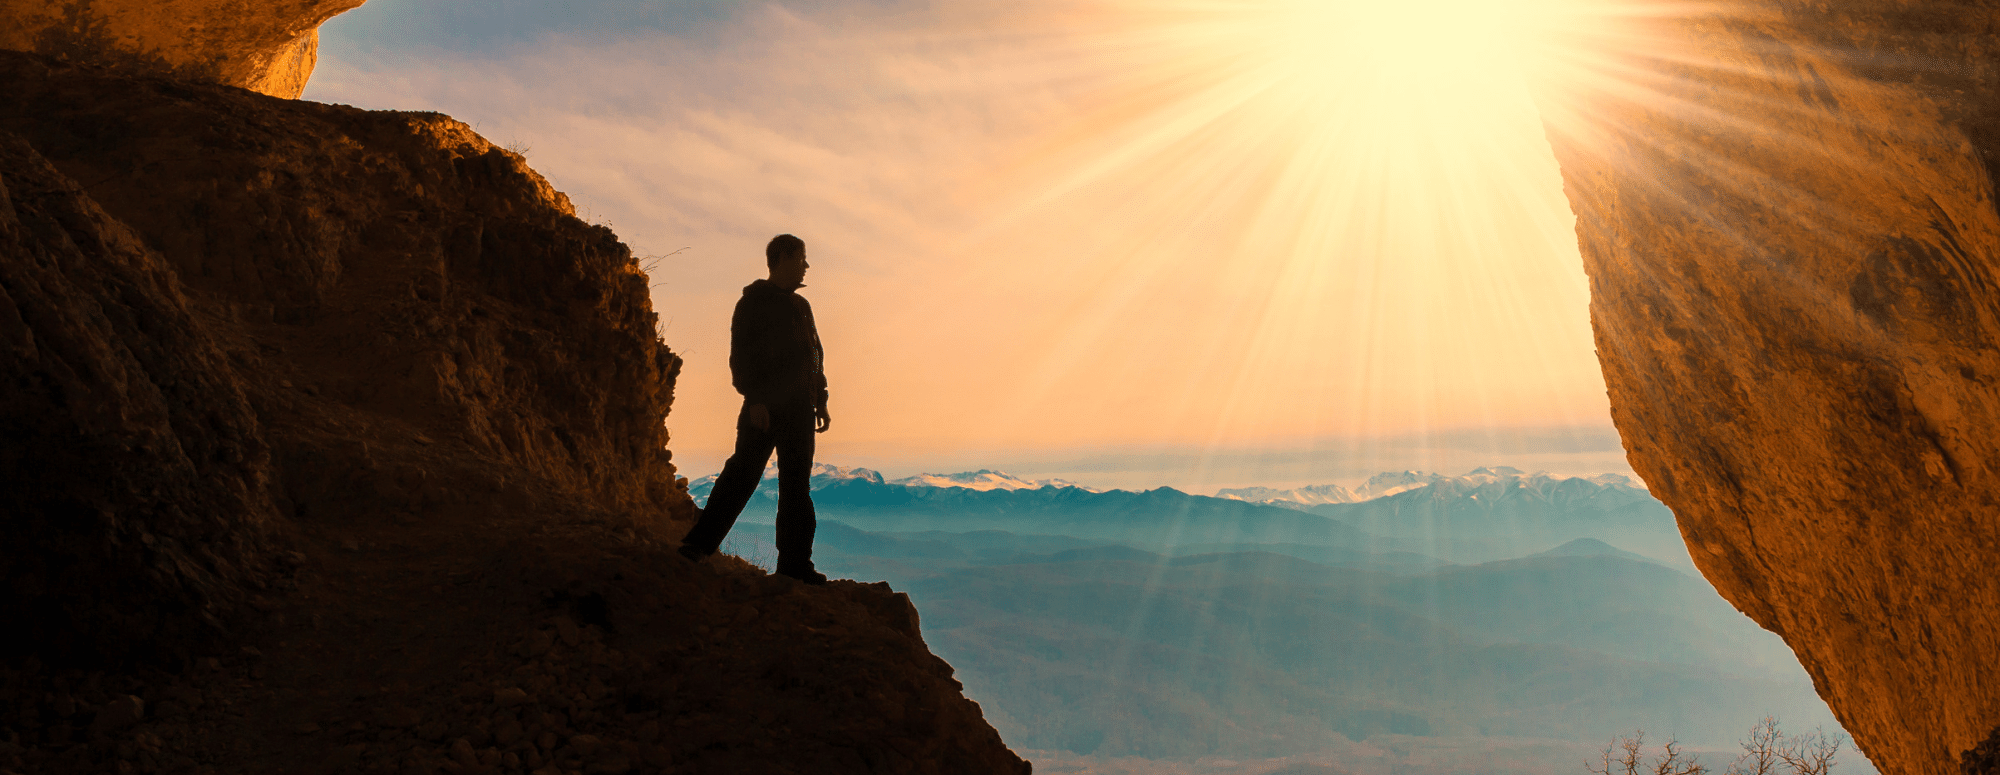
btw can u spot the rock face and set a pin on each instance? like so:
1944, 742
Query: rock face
432, 276
1787, 215
266, 309
149, 468
268, 47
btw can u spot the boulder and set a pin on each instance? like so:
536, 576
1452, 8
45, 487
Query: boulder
264, 47
1786, 210
264, 314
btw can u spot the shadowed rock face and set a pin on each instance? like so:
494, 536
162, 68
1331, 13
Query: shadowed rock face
1787, 216
135, 465
268, 47
417, 271
230, 312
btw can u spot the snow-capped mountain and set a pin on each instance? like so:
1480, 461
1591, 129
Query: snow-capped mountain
984, 480
1305, 496
1517, 511
825, 475
822, 475
1390, 483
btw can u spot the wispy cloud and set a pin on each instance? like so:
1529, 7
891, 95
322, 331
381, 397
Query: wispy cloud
1012, 251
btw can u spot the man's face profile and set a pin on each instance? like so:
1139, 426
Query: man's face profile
791, 270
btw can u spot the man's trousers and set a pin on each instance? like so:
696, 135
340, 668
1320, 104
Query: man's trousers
791, 434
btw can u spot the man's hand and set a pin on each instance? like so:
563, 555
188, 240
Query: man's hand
758, 416
821, 420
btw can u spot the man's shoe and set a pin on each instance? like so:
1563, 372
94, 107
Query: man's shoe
695, 553
808, 575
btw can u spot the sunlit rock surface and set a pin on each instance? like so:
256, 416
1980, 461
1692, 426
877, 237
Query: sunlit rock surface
268, 47
1787, 216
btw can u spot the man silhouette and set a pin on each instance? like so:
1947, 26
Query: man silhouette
776, 362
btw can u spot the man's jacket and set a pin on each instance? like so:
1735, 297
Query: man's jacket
774, 354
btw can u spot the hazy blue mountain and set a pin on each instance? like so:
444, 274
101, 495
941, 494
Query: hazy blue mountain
999, 546
1116, 651
1487, 514
1591, 547
1152, 519
1494, 514
1160, 624
1383, 559
1631, 608
840, 537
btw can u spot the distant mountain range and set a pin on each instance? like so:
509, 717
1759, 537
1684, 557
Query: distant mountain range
1113, 651
982, 480
1486, 514
1161, 624
1496, 513
1105, 648
1390, 483
1298, 497
1156, 519
1301, 498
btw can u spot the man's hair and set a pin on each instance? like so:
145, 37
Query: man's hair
782, 247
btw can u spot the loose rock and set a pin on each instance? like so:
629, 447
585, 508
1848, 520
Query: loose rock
119, 713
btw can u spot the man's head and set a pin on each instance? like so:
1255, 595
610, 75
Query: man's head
786, 257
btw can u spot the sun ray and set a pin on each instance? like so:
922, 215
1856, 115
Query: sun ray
1374, 191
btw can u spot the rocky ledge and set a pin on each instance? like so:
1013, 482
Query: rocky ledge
336, 444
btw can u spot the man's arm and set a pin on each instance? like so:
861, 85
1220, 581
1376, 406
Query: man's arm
752, 367
821, 419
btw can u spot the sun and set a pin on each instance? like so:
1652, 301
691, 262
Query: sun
1406, 64
1320, 218
1414, 43
1382, 74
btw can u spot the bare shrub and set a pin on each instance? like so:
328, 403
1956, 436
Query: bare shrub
1767, 750
1807, 754
1625, 756
751, 552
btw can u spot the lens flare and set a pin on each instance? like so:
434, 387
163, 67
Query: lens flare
1305, 220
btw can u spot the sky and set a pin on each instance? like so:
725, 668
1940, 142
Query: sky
1188, 243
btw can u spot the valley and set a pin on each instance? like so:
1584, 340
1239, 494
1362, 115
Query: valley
1099, 627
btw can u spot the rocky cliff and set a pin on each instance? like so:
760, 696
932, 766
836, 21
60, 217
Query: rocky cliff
1786, 210
336, 443
359, 388
268, 47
